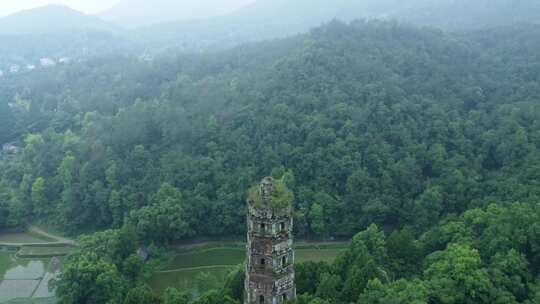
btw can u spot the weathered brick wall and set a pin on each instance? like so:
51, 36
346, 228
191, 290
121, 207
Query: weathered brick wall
270, 257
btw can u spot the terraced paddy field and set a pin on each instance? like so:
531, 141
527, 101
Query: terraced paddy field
43, 251
206, 267
27, 263
24, 278
23, 237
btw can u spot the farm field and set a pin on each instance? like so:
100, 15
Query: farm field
43, 251
21, 237
25, 272
21, 278
205, 268
197, 268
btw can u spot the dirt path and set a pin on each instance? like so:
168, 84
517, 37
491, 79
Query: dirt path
56, 238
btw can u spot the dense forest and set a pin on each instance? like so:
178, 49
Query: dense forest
422, 144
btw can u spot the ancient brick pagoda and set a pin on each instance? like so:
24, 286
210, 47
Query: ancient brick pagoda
270, 257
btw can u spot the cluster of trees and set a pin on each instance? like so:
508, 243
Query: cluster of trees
105, 268
486, 255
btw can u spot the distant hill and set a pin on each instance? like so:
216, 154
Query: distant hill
261, 20
51, 19
61, 31
267, 19
134, 13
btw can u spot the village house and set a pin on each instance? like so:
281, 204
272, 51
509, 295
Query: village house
10, 149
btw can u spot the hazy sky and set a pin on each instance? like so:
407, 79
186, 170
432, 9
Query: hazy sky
87, 6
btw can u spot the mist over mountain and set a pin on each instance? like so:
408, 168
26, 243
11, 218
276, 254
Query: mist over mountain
212, 25
51, 19
263, 19
268, 19
55, 32
134, 13
458, 14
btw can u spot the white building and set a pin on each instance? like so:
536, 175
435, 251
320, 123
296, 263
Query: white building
10, 149
30, 67
64, 60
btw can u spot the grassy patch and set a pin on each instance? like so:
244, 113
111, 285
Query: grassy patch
317, 255
234, 254
206, 266
208, 257
196, 280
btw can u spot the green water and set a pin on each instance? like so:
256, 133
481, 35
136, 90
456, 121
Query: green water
26, 280
23, 278
203, 269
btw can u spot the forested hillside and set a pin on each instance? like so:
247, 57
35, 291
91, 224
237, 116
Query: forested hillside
377, 122
54, 32
28, 49
431, 136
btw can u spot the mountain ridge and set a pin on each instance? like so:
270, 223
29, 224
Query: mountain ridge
52, 19
269, 19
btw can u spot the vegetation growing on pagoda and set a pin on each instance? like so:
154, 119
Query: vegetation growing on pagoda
281, 198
